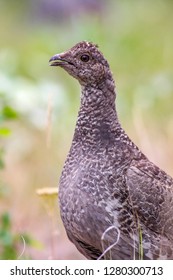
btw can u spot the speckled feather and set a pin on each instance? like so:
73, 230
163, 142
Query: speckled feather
115, 203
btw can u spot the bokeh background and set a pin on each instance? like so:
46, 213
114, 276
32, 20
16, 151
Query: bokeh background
39, 104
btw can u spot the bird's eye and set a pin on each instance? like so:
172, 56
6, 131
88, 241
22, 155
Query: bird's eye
85, 57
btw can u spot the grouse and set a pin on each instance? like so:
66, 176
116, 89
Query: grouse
114, 202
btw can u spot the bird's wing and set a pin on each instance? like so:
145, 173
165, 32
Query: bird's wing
151, 195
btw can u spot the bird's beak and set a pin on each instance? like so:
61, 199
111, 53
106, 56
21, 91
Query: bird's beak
58, 60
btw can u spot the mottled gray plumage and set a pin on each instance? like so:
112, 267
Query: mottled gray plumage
115, 203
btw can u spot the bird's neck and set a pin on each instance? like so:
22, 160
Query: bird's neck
97, 117
98, 94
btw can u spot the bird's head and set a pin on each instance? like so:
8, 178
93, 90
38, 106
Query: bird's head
84, 62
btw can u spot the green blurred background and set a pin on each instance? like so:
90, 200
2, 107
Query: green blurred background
38, 104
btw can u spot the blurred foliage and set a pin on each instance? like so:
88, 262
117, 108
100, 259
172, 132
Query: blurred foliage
6, 113
11, 243
38, 104
7, 241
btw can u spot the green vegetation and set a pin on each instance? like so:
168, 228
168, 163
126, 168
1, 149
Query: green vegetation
11, 243
38, 104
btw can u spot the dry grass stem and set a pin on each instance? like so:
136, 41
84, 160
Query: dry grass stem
24, 247
49, 122
112, 245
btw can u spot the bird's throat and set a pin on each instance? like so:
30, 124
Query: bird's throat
97, 117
